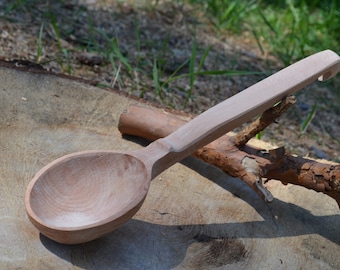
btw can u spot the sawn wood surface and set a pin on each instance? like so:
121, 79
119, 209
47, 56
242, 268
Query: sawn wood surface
194, 216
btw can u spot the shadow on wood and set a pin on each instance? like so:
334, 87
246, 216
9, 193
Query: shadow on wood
202, 246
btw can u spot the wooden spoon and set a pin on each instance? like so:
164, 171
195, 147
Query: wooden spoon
84, 195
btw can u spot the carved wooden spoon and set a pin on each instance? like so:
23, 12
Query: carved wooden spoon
82, 196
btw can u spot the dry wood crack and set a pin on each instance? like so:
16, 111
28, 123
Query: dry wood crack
238, 159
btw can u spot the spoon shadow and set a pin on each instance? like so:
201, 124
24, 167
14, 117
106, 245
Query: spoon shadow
143, 245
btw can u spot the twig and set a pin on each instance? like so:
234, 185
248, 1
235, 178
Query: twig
267, 118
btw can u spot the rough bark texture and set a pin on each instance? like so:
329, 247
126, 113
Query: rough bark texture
267, 118
245, 162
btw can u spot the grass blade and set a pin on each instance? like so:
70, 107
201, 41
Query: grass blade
229, 72
204, 56
173, 76
265, 20
258, 41
155, 77
192, 63
39, 49
118, 53
305, 124
55, 29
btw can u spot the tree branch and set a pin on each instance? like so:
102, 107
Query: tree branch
267, 118
249, 164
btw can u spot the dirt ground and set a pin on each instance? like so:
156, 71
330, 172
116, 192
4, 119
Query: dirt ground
79, 38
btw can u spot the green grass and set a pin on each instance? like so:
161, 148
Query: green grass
163, 85
17, 4
306, 122
289, 29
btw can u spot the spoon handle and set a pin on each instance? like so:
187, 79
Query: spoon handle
241, 107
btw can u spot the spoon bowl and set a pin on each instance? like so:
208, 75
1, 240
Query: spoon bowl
76, 193
82, 196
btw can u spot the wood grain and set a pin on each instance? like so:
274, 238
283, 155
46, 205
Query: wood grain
193, 215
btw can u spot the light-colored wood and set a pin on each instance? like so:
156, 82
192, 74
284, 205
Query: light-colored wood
83, 196
194, 217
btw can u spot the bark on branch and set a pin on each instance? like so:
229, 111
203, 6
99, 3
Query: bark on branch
245, 162
267, 118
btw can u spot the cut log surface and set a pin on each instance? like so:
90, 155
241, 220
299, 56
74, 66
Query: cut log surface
194, 217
